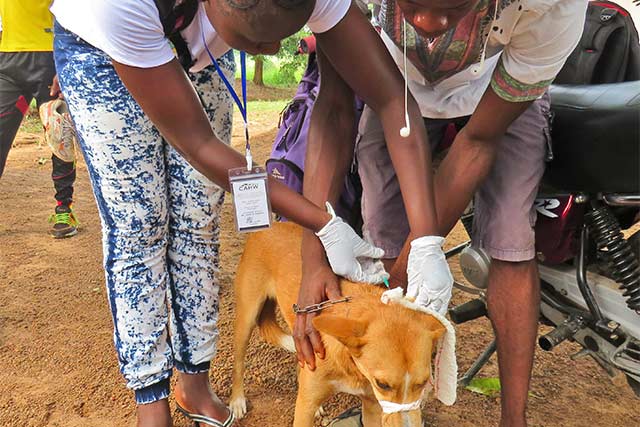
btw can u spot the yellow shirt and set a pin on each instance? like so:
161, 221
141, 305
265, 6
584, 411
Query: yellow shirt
27, 26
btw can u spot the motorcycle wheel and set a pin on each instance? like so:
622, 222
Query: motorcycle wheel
635, 385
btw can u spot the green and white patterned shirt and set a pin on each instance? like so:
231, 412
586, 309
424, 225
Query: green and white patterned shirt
529, 42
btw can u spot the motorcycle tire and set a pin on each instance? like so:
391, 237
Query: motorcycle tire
635, 385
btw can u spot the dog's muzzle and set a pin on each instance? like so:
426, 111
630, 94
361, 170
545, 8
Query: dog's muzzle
392, 407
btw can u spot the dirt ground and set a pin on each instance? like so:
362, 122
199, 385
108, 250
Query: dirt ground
59, 367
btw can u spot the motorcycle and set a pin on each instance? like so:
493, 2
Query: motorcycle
589, 269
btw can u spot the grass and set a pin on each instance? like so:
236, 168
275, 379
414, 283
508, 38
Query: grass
267, 106
31, 122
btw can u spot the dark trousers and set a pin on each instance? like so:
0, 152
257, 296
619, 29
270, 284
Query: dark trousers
25, 76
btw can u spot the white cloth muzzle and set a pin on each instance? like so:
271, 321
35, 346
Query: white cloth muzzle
393, 407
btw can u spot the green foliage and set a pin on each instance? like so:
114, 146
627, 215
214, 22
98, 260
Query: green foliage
487, 386
289, 62
490, 387
31, 122
284, 68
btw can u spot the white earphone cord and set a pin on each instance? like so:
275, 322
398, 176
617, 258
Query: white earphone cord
486, 41
406, 130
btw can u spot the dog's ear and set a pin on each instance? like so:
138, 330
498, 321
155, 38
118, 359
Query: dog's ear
437, 329
346, 330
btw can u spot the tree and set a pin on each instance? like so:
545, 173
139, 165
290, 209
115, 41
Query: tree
288, 62
258, 70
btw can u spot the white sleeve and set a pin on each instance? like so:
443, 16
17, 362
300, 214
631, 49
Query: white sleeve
131, 33
541, 43
327, 14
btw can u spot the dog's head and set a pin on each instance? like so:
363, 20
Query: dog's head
392, 347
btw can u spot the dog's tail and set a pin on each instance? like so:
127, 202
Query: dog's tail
270, 329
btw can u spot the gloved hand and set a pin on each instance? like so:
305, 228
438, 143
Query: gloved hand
348, 254
430, 280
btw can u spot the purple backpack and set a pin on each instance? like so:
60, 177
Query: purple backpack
286, 162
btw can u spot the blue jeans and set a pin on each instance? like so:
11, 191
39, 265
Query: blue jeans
160, 224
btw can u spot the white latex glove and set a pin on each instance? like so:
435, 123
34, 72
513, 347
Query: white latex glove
349, 255
430, 280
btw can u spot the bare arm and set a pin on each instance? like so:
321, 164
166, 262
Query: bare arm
466, 165
357, 53
182, 121
329, 153
329, 150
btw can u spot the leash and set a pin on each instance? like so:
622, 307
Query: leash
314, 308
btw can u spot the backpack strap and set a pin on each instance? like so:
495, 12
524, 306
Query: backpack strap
613, 40
175, 19
602, 24
167, 17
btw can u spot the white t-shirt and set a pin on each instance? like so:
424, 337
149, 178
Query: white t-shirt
130, 31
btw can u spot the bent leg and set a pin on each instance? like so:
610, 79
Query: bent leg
503, 226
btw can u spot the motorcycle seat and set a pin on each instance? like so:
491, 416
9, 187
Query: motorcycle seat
595, 138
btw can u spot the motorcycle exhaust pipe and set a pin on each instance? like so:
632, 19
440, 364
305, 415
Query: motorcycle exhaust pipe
470, 310
562, 332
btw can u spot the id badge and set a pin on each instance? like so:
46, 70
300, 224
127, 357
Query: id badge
250, 192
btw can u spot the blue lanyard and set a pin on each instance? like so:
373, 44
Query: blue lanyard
242, 104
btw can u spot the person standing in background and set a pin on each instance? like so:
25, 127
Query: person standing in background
27, 72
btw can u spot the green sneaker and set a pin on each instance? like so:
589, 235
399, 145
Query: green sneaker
65, 223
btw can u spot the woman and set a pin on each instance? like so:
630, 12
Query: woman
158, 202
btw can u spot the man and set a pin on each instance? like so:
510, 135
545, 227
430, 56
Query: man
26, 73
483, 66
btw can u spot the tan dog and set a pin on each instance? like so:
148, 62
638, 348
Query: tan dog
379, 352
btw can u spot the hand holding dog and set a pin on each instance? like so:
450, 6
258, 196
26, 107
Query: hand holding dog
430, 280
54, 89
319, 284
348, 254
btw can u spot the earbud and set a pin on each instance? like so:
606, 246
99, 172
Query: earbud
406, 130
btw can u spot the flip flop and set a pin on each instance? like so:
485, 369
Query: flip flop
352, 417
201, 420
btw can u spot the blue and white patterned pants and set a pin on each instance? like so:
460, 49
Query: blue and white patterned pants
159, 218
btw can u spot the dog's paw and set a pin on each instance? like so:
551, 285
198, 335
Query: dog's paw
320, 412
238, 406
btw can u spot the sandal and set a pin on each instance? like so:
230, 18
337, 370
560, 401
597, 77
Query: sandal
352, 417
201, 420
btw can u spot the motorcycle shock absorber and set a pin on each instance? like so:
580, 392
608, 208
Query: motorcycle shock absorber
617, 252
